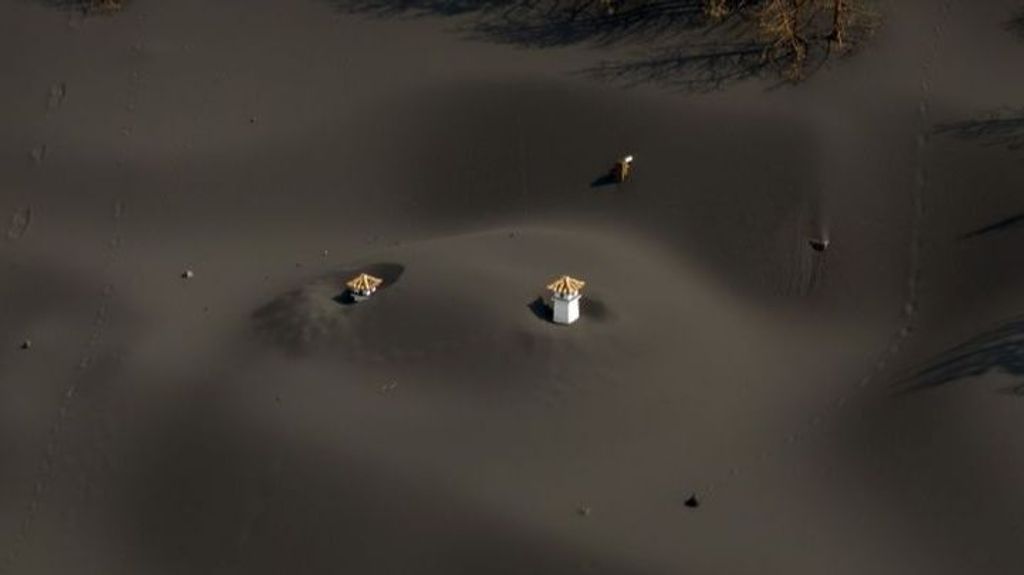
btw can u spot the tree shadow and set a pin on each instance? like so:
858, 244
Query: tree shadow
692, 67
684, 48
591, 308
86, 6
1004, 224
566, 22
1000, 348
999, 129
546, 23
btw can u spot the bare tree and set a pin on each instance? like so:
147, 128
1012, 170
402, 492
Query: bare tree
794, 32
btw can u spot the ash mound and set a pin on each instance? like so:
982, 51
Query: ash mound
311, 316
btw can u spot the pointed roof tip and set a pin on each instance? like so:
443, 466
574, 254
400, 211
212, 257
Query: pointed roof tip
566, 285
364, 282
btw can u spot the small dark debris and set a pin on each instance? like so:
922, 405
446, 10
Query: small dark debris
187, 274
818, 245
27, 344
583, 511
692, 502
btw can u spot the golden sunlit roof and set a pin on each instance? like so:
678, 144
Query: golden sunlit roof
566, 285
364, 283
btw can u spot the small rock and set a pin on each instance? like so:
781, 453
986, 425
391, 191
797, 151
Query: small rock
325, 253
818, 245
583, 511
188, 274
27, 344
692, 502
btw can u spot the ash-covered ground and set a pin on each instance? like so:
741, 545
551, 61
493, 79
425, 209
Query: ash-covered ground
852, 410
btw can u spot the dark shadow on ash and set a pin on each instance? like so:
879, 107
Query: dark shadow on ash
1001, 226
684, 48
999, 129
546, 23
606, 180
87, 6
592, 309
345, 298
1016, 25
540, 309
697, 68
1000, 348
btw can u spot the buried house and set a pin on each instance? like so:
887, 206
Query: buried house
362, 286
565, 299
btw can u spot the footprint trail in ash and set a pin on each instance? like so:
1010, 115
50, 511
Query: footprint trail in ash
50, 458
910, 304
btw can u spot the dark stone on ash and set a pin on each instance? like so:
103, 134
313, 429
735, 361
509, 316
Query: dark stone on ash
818, 245
692, 502
26, 344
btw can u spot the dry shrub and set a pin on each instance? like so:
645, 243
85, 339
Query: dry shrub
795, 33
716, 10
105, 6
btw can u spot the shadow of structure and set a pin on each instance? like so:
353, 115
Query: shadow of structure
997, 129
590, 308
1000, 348
680, 45
540, 309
